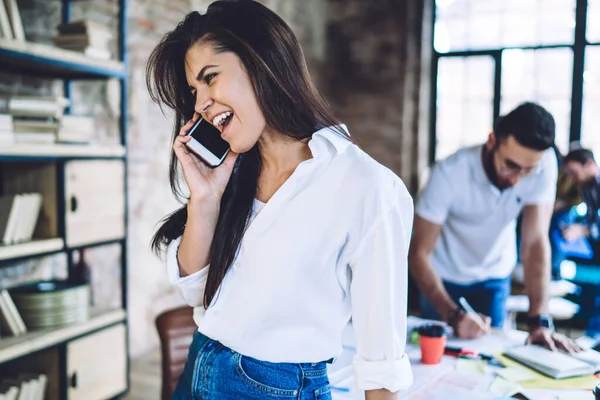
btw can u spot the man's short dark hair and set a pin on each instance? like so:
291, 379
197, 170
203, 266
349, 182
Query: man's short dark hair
581, 156
530, 124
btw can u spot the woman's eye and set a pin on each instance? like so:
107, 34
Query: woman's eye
208, 78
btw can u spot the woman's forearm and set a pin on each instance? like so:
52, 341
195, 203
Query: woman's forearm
380, 394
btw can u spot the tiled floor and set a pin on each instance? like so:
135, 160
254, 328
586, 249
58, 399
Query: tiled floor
145, 377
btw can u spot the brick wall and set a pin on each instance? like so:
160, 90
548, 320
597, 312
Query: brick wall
366, 57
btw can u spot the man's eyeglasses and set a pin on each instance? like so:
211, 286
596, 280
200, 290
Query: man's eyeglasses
508, 168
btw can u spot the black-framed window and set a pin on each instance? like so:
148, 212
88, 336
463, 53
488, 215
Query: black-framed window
492, 55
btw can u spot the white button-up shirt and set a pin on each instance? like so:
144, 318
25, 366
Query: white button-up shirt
330, 244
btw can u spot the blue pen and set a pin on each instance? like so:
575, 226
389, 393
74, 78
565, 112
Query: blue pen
340, 389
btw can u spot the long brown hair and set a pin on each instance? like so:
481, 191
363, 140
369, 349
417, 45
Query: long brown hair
273, 59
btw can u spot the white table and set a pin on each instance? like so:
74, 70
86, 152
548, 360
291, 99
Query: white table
341, 375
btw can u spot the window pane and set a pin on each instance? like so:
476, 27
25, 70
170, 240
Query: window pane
590, 131
593, 21
542, 76
494, 24
464, 103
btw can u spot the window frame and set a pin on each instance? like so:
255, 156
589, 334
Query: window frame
578, 47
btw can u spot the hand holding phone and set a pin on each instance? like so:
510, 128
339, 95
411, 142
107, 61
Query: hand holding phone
205, 181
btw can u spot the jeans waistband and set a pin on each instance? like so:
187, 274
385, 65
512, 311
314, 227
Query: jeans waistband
306, 367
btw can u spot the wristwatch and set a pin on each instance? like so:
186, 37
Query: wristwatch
541, 320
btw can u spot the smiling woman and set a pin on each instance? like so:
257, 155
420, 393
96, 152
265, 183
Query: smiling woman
272, 245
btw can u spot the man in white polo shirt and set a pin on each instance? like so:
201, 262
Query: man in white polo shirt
464, 241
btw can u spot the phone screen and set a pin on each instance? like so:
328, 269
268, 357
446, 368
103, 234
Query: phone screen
210, 137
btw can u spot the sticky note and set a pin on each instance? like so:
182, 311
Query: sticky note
502, 387
469, 365
516, 374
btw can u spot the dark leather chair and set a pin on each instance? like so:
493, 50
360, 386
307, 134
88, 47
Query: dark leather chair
176, 330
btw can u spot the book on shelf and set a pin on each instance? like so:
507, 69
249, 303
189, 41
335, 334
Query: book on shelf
19, 214
29, 386
14, 17
83, 27
10, 391
35, 138
85, 36
75, 129
5, 28
10, 314
37, 106
6, 122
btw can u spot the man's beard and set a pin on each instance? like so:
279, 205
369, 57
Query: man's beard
490, 169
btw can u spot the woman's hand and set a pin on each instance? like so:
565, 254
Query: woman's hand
205, 183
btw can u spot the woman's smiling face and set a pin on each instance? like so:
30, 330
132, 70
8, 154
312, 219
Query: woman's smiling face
224, 95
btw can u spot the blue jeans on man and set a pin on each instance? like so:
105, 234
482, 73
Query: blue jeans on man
486, 297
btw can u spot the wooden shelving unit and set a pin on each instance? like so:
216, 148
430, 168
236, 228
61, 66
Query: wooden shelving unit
51, 151
15, 347
33, 248
58, 62
84, 190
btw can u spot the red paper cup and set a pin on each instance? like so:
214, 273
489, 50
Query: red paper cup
432, 349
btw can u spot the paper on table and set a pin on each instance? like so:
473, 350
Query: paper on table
543, 382
502, 387
455, 385
473, 366
516, 374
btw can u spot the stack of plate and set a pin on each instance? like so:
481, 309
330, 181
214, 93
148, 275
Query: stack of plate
52, 303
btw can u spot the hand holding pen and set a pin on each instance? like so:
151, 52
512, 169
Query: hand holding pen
471, 325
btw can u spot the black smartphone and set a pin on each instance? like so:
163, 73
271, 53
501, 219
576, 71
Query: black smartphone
207, 143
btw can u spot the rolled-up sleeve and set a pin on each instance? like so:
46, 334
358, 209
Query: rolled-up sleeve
379, 301
190, 287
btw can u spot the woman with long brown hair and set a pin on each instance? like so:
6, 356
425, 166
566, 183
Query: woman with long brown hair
295, 233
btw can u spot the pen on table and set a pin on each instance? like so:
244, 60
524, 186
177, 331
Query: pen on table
467, 307
339, 388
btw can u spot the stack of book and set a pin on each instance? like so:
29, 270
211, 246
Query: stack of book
35, 118
7, 137
10, 318
75, 129
86, 36
18, 217
24, 386
41, 119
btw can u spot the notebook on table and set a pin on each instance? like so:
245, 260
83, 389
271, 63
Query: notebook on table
555, 364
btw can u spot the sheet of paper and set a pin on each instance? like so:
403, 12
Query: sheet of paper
455, 385
473, 366
502, 387
516, 374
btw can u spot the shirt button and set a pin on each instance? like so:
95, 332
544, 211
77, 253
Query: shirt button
237, 265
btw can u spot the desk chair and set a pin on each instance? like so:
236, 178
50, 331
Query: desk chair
176, 330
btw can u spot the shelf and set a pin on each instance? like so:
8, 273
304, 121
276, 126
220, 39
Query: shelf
53, 151
14, 347
32, 248
56, 62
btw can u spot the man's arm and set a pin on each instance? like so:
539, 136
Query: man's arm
425, 235
535, 255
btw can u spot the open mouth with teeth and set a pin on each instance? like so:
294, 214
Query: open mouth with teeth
222, 120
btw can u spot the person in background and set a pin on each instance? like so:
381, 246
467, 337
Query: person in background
580, 165
295, 233
464, 241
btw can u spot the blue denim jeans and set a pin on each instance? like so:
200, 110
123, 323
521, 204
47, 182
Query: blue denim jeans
486, 297
215, 372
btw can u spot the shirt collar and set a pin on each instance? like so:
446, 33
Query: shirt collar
328, 141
